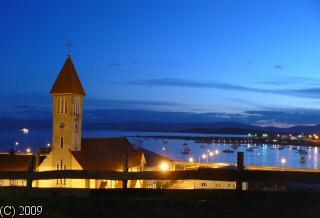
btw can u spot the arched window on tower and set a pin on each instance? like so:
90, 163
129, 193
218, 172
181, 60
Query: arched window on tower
76, 106
61, 142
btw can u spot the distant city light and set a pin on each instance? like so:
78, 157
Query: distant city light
164, 166
28, 150
204, 156
211, 153
48, 145
283, 160
216, 151
191, 159
16, 143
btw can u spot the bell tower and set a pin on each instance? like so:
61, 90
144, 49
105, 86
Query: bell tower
68, 94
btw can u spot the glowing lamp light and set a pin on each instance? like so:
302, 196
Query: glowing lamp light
283, 160
48, 145
216, 151
28, 150
191, 159
210, 153
16, 143
163, 148
164, 166
204, 156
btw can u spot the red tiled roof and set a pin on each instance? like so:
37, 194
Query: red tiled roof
15, 162
106, 154
68, 80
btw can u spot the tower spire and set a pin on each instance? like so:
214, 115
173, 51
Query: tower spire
68, 80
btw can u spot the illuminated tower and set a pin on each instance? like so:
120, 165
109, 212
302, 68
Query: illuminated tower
68, 94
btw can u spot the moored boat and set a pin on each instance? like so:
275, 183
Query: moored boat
250, 149
228, 150
186, 149
303, 160
302, 151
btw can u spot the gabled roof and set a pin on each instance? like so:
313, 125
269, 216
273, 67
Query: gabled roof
152, 158
107, 154
68, 80
15, 162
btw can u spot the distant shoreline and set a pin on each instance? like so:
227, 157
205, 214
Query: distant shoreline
234, 140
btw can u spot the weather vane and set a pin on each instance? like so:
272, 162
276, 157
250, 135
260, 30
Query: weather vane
69, 47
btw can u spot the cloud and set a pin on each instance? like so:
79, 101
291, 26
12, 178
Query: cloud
293, 80
110, 102
194, 84
299, 92
278, 66
115, 65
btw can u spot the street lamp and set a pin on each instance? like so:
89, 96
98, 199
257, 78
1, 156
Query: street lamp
164, 166
283, 161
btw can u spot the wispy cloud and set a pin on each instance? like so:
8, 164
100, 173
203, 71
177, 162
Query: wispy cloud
278, 66
292, 80
115, 65
111, 103
299, 92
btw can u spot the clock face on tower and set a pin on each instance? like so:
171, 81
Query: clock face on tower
61, 125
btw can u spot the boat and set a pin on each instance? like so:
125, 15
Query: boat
228, 150
303, 160
234, 146
186, 150
302, 151
250, 149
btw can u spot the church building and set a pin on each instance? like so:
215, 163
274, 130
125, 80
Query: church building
72, 152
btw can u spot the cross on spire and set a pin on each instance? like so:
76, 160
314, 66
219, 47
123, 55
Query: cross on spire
69, 47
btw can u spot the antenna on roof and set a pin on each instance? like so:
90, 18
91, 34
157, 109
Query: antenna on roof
69, 47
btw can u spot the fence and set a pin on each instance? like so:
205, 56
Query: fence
239, 174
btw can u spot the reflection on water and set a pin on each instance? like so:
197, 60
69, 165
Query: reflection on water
259, 155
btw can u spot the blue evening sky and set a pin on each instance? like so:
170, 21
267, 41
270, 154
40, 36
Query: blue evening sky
165, 55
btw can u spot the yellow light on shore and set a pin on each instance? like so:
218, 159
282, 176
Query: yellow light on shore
191, 159
164, 166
